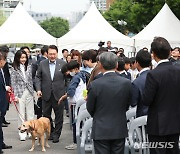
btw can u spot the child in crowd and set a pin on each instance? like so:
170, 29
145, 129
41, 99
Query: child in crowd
121, 69
133, 70
68, 78
74, 92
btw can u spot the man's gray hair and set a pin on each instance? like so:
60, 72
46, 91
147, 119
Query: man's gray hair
108, 60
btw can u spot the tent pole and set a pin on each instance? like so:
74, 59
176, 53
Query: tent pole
134, 48
57, 42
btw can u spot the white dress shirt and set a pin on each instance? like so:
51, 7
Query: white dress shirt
52, 66
162, 61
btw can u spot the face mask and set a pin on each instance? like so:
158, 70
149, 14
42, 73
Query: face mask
72, 73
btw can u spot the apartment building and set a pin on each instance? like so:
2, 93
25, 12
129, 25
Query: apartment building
100, 4
8, 6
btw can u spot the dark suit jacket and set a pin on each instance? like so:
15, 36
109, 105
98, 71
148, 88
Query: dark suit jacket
163, 98
137, 90
127, 76
6, 74
40, 59
3, 98
48, 86
34, 70
108, 98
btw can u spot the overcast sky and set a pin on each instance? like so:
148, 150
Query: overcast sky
56, 6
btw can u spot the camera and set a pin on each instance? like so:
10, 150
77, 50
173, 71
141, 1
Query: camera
100, 44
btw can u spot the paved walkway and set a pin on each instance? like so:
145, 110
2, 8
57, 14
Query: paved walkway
11, 138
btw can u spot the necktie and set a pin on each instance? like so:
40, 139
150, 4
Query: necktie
137, 75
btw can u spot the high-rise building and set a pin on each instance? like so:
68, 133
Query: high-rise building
8, 6
100, 4
75, 18
39, 17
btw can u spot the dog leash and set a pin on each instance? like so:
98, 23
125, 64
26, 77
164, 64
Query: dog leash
12, 99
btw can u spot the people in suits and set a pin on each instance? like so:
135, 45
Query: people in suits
65, 53
7, 81
161, 94
51, 86
121, 69
3, 100
107, 102
44, 51
109, 47
143, 63
133, 70
22, 84
174, 54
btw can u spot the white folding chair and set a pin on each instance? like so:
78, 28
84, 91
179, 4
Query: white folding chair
81, 118
130, 115
86, 141
77, 107
138, 135
82, 107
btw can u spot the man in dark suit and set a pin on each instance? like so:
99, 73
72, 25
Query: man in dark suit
161, 94
44, 52
7, 81
65, 53
51, 86
3, 100
143, 63
107, 101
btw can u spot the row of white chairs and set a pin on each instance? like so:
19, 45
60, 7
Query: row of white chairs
136, 130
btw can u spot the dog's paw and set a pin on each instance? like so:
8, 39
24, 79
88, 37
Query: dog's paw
31, 150
47, 145
44, 150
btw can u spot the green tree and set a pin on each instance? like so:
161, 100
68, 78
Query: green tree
55, 26
137, 13
2, 18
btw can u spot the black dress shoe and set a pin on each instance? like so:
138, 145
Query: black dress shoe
4, 125
50, 137
4, 146
55, 139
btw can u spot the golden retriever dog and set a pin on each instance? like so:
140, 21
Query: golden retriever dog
37, 128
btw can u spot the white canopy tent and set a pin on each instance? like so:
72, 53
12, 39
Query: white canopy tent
92, 29
165, 24
20, 27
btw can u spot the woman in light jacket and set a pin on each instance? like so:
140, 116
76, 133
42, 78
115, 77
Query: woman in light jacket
21, 82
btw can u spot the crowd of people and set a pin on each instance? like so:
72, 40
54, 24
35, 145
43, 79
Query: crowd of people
114, 83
